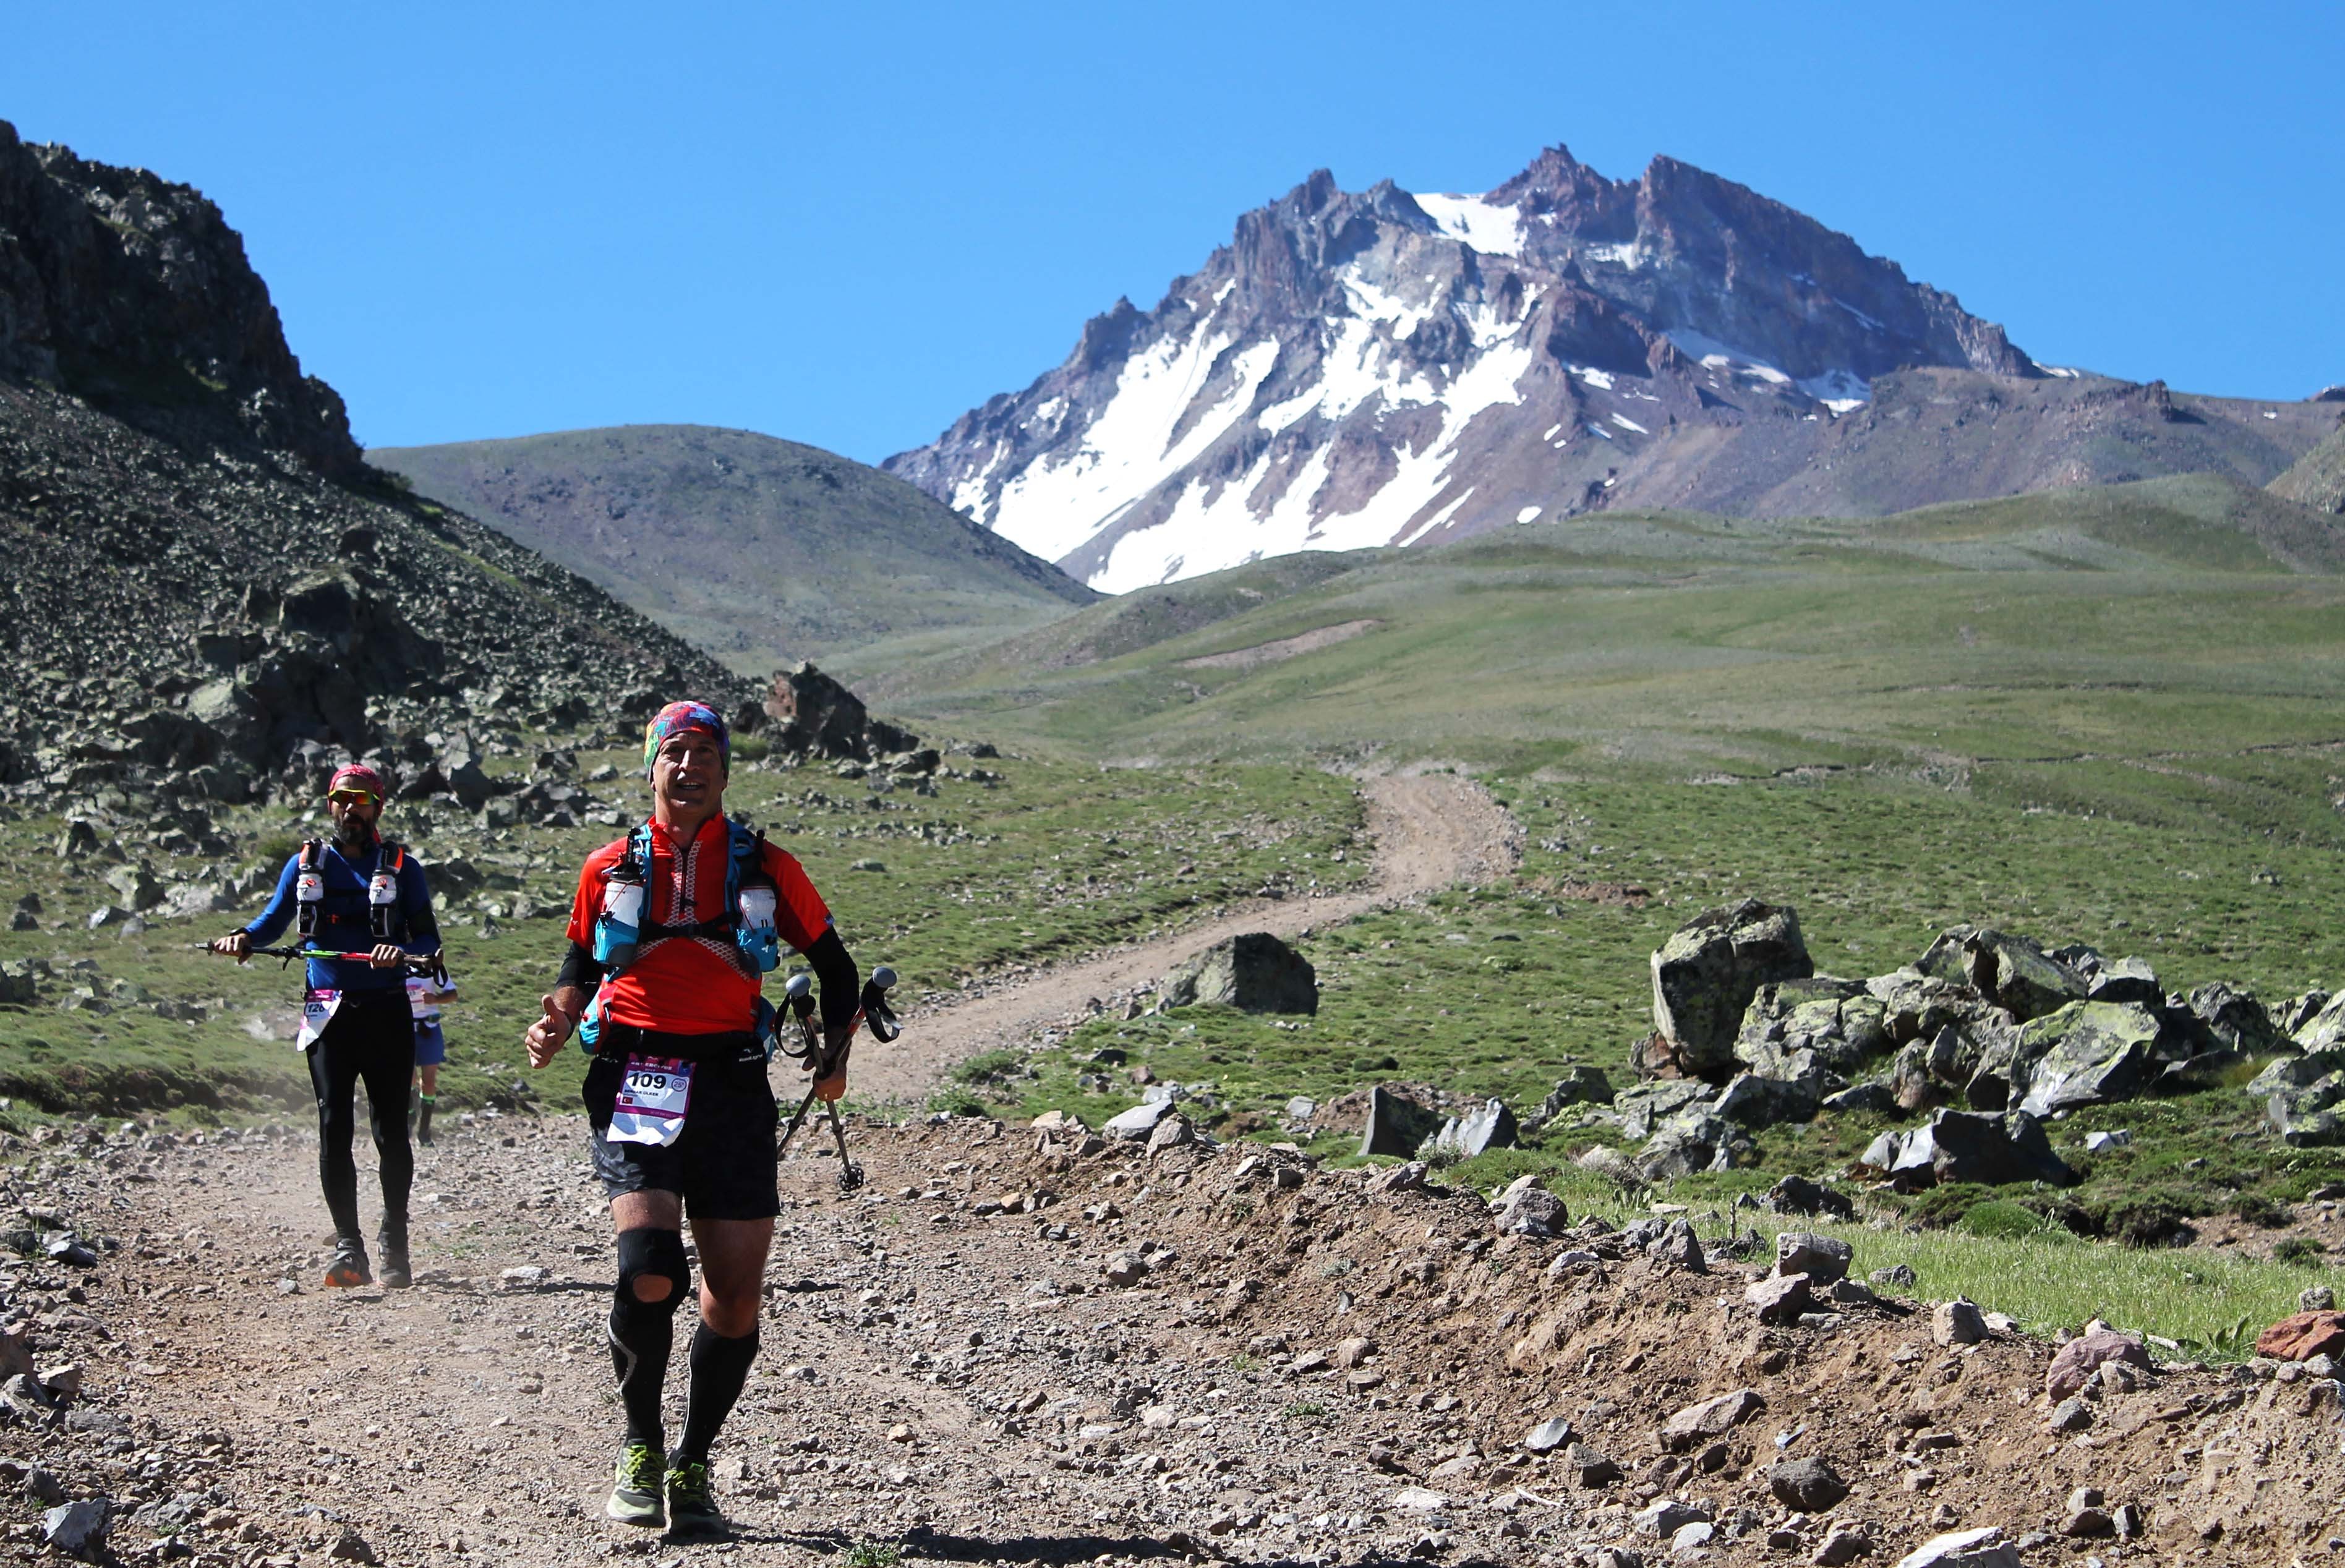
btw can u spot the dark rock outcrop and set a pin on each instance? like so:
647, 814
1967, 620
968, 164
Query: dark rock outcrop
1255, 973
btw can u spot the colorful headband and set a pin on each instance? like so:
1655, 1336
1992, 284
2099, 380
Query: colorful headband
358, 775
677, 718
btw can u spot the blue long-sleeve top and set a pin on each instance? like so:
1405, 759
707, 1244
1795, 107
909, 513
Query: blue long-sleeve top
342, 922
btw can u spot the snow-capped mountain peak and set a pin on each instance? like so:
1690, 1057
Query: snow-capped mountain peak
1383, 367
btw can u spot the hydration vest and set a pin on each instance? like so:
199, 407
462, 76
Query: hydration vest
384, 918
746, 920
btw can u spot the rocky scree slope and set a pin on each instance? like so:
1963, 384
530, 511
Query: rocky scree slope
208, 594
1384, 368
764, 551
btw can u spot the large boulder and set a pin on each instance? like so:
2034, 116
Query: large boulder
1968, 1147
2012, 971
2299, 1094
1255, 973
1488, 1126
1838, 1020
2236, 1021
814, 716
1397, 1125
1706, 973
1691, 1140
2090, 1053
1915, 1006
2325, 1030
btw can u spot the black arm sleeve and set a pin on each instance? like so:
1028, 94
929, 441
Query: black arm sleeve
834, 972
579, 968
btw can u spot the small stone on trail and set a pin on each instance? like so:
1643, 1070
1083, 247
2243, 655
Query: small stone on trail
2071, 1415
2303, 1337
1125, 1268
1589, 1467
1844, 1545
1780, 1300
2316, 1298
1417, 1500
1957, 1322
1354, 1352
78, 1528
1139, 1121
353, 1548
1549, 1435
1964, 1549
1809, 1485
1698, 1423
528, 1276
1822, 1259
2082, 1356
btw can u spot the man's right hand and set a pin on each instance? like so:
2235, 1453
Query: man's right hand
236, 945
549, 1034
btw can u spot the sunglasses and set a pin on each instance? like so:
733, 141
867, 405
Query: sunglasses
355, 794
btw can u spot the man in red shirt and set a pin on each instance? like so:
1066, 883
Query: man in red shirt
671, 931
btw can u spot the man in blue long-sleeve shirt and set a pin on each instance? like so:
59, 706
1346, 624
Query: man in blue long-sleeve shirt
355, 895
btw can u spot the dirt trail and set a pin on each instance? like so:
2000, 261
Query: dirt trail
1314, 1367
1431, 831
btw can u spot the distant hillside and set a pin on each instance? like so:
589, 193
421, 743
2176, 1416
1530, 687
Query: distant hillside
763, 550
2318, 479
1381, 368
2165, 615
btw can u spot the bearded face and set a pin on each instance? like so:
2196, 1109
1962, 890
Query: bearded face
355, 814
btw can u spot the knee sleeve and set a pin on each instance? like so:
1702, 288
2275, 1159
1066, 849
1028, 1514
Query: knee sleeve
656, 1253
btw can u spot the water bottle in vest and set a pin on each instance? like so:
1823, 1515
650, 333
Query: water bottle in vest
308, 894
757, 936
382, 898
621, 924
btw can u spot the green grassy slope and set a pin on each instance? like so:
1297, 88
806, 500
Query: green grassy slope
2126, 647
761, 551
2318, 478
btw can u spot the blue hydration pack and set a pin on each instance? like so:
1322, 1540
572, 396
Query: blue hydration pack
621, 932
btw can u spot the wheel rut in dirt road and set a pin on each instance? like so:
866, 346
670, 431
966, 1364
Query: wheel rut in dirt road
1431, 831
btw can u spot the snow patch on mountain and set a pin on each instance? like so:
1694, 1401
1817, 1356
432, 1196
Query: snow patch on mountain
1492, 230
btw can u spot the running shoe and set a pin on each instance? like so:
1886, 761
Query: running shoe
423, 1124
691, 1508
348, 1267
635, 1486
395, 1271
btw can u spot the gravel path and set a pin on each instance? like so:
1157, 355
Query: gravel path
1431, 831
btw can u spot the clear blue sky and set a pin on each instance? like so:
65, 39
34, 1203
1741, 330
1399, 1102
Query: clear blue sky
846, 225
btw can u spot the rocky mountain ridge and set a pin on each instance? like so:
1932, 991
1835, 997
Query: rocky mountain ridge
211, 596
1383, 367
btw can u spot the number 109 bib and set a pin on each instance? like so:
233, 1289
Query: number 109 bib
653, 1093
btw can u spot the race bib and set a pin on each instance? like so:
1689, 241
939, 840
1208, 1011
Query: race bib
317, 1011
653, 1093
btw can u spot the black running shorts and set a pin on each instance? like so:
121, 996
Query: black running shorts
722, 1163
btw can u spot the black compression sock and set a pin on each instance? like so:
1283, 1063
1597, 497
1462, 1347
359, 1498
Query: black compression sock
720, 1367
642, 1334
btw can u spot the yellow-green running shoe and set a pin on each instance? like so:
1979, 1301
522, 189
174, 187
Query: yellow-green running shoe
691, 1510
635, 1486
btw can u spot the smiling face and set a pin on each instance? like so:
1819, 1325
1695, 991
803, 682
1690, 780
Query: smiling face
688, 779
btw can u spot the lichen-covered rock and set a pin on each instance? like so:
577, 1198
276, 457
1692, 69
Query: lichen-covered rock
2012, 971
2090, 1053
1706, 973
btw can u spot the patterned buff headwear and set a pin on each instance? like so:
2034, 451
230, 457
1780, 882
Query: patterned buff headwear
358, 776
678, 717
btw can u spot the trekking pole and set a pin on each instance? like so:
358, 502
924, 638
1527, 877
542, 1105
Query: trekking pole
798, 999
417, 963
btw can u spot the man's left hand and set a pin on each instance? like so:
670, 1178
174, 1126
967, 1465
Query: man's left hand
830, 1077
388, 955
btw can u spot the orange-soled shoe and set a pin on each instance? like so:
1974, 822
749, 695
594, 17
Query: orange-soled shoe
349, 1267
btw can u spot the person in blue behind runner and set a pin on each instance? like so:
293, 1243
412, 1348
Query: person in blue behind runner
355, 895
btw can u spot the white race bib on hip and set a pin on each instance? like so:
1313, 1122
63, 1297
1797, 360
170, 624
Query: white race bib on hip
653, 1094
